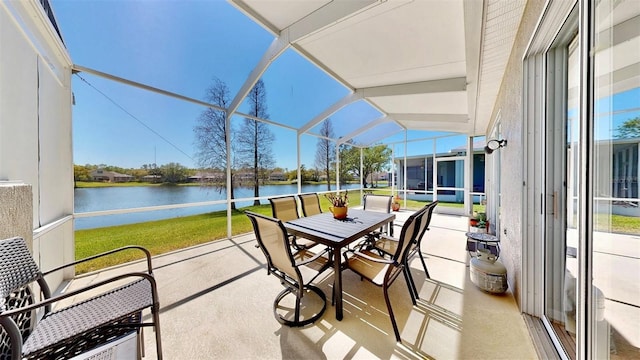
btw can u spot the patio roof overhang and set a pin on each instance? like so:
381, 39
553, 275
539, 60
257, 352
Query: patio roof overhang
425, 65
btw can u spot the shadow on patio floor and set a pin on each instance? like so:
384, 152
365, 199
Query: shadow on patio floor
216, 302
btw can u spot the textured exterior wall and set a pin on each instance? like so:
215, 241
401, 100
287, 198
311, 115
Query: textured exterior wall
35, 132
16, 214
509, 106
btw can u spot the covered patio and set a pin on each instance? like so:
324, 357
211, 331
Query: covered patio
216, 302
410, 75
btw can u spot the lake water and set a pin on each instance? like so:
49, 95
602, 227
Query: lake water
110, 198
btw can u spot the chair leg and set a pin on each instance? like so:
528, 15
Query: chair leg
393, 318
333, 296
156, 328
424, 264
297, 309
296, 322
412, 287
413, 291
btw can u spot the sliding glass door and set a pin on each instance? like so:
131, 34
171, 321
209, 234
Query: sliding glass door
615, 210
591, 190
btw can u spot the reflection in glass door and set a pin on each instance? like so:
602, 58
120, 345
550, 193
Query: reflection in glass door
615, 314
611, 215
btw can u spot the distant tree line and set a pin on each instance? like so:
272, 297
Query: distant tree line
170, 173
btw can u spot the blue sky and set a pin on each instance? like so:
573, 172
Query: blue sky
179, 46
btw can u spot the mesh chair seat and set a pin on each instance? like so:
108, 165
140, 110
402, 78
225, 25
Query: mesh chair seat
386, 244
374, 271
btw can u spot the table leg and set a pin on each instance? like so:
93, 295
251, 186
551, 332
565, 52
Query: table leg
337, 282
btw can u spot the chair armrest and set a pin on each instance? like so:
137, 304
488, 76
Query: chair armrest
145, 251
313, 258
54, 299
387, 237
370, 258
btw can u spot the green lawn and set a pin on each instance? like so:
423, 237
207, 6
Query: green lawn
163, 236
159, 236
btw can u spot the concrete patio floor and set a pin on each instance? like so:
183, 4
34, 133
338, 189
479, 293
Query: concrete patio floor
216, 303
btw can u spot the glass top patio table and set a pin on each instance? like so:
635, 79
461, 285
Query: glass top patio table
336, 234
476, 241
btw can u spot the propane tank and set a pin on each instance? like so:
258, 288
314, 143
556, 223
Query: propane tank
488, 273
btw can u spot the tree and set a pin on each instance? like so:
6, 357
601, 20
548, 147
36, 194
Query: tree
326, 151
174, 173
211, 136
255, 138
81, 173
629, 129
374, 159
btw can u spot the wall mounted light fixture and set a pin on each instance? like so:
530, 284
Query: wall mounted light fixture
494, 144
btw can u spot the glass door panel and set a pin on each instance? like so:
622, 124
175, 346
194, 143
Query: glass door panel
616, 203
562, 159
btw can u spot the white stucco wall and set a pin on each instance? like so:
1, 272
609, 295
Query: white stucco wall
510, 109
35, 125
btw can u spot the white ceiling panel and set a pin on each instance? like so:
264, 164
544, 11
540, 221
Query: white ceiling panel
425, 64
454, 102
280, 14
394, 43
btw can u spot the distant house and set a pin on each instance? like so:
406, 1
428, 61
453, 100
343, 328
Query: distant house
208, 177
377, 176
277, 176
245, 176
110, 176
152, 178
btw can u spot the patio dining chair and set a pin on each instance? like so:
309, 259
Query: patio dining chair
30, 329
387, 246
382, 271
285, 208
296, 271
310, 204
379, 203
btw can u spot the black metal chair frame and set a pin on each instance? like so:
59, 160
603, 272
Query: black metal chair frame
414, 249
75, 329
395, 265
293, 284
